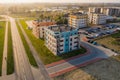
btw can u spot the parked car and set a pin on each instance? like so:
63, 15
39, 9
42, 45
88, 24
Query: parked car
94, 43
90, 41
118, 29
101, 34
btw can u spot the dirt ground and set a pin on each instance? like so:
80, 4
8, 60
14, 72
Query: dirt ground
108, 69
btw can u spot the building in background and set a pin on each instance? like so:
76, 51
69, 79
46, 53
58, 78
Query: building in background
94, 10
39, 25
109, 11
78, 20
113, 12
61, 39
97, 18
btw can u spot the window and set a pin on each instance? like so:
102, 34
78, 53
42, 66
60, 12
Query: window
61, 50
66, 44
76, 42
75, 37
61, 45
76, 46
70, 39
61, 40
62, 35
57, 36
66, 39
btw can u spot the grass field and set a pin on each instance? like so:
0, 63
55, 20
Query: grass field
29, 54
111, 41
2, 34
10, 59
45, 55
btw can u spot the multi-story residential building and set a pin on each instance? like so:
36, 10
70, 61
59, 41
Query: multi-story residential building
94, 9
38, 27
61, 39
113, 11
97, 18
110, 11
78, 20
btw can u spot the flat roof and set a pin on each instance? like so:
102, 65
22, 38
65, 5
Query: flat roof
78, 14
61, 28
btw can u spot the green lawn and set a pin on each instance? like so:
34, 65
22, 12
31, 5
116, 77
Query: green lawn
29, 54
45, 55
2, 34
10, 59
111, 41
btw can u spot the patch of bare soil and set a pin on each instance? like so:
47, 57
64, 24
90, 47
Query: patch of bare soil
108, 69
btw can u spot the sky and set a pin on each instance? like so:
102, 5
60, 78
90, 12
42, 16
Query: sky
60, 1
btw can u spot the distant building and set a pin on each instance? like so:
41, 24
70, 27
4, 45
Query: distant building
78, 20
61, 39
94, 10
110, 11
97, 18
38, 27
113, 11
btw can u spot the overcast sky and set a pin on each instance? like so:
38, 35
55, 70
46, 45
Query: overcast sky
61, 1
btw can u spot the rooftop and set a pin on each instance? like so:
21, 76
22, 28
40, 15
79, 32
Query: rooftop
61, 28
43, 22
78, 14
97, 13
107, 7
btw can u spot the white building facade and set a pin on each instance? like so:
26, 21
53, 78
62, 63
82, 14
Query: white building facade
61, 39
96, 18
78, 20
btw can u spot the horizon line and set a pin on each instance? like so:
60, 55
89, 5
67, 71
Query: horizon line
58, 2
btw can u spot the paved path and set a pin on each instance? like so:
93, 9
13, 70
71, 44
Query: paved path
4, 61
43, 73
8, 77
22, 65
29, 23
95, 54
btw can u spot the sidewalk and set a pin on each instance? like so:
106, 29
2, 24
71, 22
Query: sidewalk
73, 67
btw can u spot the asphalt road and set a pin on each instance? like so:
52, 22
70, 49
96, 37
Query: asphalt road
22, 65
43, 72
95, 52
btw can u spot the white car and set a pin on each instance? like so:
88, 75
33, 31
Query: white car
117, 28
